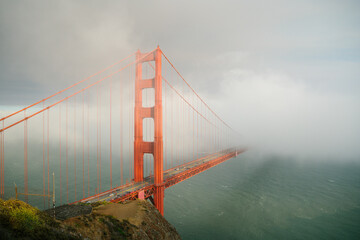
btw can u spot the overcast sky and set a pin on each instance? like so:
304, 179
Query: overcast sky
286, 74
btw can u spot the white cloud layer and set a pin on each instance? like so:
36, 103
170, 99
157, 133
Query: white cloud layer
307, 103
278, 114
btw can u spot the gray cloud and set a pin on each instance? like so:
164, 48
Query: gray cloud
288, 68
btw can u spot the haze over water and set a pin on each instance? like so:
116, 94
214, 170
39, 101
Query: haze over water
255, 196
284, 74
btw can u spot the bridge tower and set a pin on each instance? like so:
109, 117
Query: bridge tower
140, 146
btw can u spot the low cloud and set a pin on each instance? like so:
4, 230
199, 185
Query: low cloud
307, 104
278, 114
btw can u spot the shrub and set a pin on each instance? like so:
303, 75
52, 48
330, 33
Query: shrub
20, 216
25, 219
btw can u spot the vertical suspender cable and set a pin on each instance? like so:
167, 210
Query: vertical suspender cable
130, 105
48, 155
60, 151
165, 132
172, 130
1, 165
197, 136
99, 139
146, 128
193, 129
2, 157
67, 152
182, 132
43, 142
110, 136
178, 121
97, 136
83, 142
121, 134
189, 127
25, 159
88, 144
75, 146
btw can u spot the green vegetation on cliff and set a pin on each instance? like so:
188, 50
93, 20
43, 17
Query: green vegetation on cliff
19, 220
134, 220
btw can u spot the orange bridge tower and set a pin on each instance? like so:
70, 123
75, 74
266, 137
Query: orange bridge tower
155, 112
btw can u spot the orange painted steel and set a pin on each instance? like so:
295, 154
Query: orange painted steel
47, 152
88, 148
168, 182
121, 136
67, 156
110, 133
198, 117
83, 142
60, 153
26, 158
2, 163
84, 80
73, 149
186, 101
201, 168
167, 59
140, 146
97, 195
43, 146
70, 96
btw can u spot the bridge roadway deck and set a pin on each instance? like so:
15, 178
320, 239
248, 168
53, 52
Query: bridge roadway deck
171, 177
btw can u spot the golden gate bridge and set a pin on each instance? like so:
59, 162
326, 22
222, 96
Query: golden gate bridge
129, 131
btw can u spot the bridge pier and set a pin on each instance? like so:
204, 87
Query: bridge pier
159, 198
140, 146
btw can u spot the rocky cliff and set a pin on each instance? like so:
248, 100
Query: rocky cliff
132, 220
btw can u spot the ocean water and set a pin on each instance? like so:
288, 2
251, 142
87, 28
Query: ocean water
253, 196
268, 197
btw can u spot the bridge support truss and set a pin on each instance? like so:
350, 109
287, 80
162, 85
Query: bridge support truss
140, 146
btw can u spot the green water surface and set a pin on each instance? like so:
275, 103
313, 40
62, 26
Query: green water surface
263, 197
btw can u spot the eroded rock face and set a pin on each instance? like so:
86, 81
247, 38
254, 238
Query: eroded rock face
134, 220
145, 220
